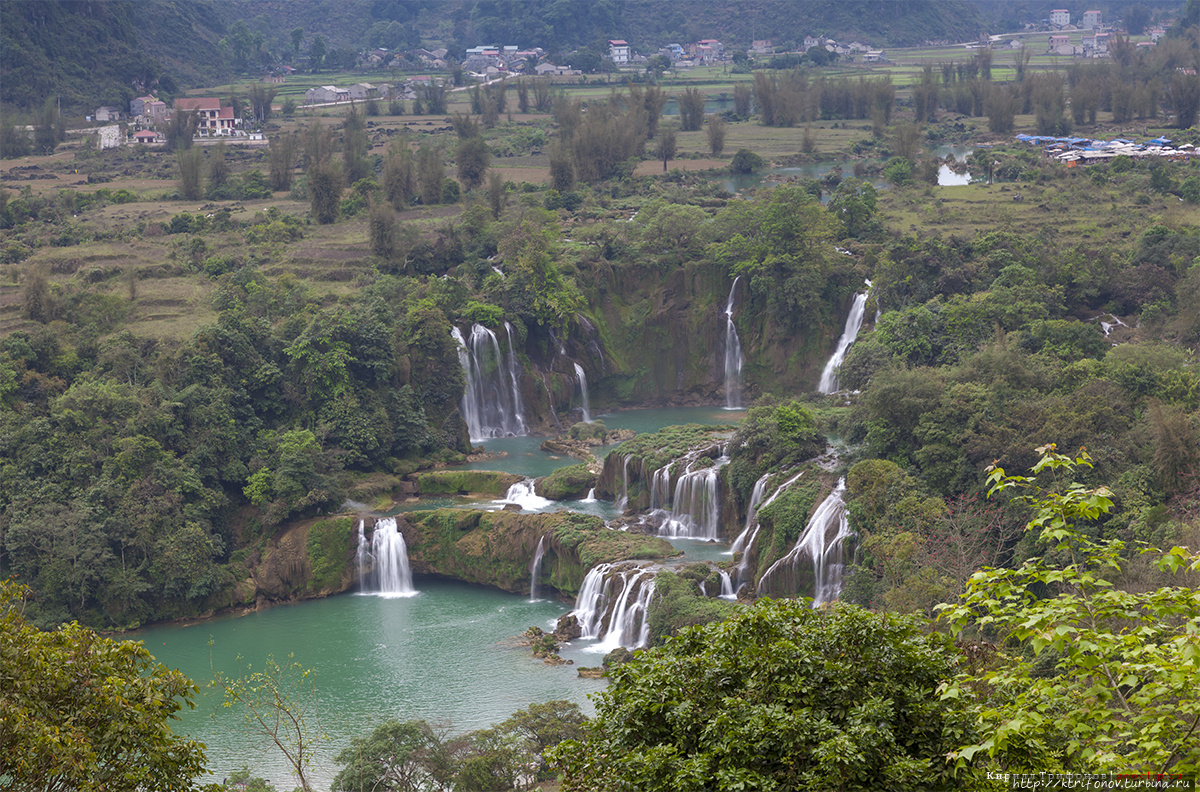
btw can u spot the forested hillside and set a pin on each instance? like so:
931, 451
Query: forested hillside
94, 53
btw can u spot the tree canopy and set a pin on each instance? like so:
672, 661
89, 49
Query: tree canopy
781, 696
80, 712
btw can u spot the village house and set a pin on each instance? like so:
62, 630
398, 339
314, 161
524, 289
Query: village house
213, 120
618, 51
1060, 18
761, 46
326, 94
1091, 20
107, 113
362, 91
874, 56
1061, 45
553, 70
138, 107
146, 136
810, 42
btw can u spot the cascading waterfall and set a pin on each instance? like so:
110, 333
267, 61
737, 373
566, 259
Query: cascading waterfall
523, 495
820, 545
628, 592
695, 509
587, 410
535, 569
383, 561
744, 565
589, 604
624, 501
733, 355
591, 496
628, 625
829, 377
491, 403
727, 591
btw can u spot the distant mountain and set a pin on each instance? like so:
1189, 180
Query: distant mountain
104, 52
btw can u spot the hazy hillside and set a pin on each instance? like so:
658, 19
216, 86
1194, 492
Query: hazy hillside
103, 52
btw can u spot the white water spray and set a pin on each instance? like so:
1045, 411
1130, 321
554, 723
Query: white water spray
491, 402
820, 545
523, 495
587, 410
383, 562
829, 377
535, 569
733, 355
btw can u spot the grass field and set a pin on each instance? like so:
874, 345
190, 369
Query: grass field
172, 299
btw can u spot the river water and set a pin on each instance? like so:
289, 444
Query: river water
445, 655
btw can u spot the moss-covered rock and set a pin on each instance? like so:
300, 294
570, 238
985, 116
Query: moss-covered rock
566, 483
466, 482
497, 548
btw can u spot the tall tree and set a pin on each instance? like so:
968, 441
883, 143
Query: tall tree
316, 53
81, 713
190, 163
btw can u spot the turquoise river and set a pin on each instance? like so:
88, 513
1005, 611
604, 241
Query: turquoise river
448, 655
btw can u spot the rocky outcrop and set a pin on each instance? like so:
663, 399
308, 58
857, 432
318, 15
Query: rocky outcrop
496, 548
566, 483
466, 482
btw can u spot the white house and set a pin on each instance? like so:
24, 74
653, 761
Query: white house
761, 46
321, 94
108, 114
1060, 18
874, 56
618, 51
810, 42
213, 120
1091, 20
362, 91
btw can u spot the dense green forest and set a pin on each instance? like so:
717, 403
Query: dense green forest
208, 350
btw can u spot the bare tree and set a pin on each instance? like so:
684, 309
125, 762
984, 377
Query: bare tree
280, 704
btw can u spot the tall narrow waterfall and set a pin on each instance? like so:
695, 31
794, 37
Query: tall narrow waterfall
733, 355
829, 377
821, 546
491, 403
535, 569
623, 502
383, 561
621, 596
751, 514
587, 410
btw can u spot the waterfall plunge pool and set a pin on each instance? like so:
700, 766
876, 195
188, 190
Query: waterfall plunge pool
446, 654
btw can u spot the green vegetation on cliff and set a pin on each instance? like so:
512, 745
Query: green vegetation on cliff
453, 482
570, 482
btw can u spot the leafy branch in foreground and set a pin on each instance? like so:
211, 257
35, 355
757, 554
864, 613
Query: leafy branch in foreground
1100, 679
80, 712
279, 703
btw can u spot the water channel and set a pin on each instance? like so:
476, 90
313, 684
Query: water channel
446, 654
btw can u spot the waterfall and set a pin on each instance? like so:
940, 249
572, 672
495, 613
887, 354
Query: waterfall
383, 562
695, 506
733, 355
523, 495
744, 564
589, 604
627, 622
829, 378
624, 501
727, 591
591, 496
491, 402
535, 569
587, 410
816, 545
751, 513
628, 625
